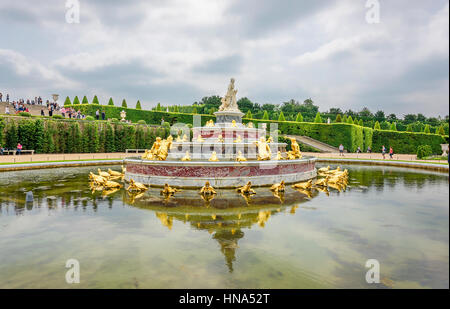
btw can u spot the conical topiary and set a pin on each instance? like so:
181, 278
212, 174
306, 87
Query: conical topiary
95, 100
76, 100
67, 102
111, 102
85, 100
124, 103
138, 105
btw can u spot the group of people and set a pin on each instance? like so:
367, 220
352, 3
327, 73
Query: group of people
18, 149
22, 106
369, 150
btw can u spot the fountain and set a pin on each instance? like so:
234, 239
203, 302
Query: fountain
228, 154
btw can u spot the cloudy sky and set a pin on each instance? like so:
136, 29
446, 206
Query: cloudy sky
177, 51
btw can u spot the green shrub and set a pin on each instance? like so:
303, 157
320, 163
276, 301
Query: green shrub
424, 151
349, 120
89, 118
138, 105
249, 114
318, 118
393, 126
361, 123
299, 117
76, 100
409, 128
95, 100
141, 122
338, 118
114, 120
24, 114
111, 102
281, 117
57, 116
85, 100
124, 103
67, 102
265, 116
427, 129
441, 130
377, 126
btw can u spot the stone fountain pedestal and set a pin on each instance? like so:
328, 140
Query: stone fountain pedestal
229, 116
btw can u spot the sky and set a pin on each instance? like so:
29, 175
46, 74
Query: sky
178, 51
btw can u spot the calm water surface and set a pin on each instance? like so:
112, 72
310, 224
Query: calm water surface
398, 216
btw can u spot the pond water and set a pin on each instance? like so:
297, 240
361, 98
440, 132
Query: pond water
399, 217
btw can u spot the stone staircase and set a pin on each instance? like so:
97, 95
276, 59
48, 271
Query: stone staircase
315, 143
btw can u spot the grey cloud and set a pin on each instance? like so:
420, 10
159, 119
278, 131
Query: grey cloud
225, 65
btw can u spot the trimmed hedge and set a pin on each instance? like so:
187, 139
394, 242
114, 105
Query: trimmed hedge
45, 135
407, 142
150, 117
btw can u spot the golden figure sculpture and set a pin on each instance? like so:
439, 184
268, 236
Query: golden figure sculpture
209, 123
207, 189
112, 185
324, 190
264, 152
247, 189
220, 138
304, 185
168, 190
238, 139
278, 187
233, 124
290, 155
240, 157
213, 157
155, 147
136, 186
250, 125
295, 152
270, 140
324, 169
229, 102
163, 150
135, 196
114, 173
96, 179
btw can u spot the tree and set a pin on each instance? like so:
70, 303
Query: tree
338, 118
249, 114
380, 116
318, 118
427, 129
377, 126
194, 110
350, 120
111, 102
158, 107
361, 122
67, 102
85, 100
365, 113
265, 116
95, 100
335, 111
393, 126
391, 118
441, 130
410, 118
344, 119
299, 117
124, 103
138, 105
76, 100
281, 117
245, 104
409, 128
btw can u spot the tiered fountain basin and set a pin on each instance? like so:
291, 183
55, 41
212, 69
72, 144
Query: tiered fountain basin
222, 174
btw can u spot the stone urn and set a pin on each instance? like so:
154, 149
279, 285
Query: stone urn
444, 149
123, 115
55, 97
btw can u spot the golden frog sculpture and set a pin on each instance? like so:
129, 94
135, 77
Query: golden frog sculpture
136, 186
168, 190
240, 157
307, 185
186, 157
207, 189
278, 187
213, 157
247, 189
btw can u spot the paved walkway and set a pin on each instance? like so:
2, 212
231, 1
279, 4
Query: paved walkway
121, 155
370, 156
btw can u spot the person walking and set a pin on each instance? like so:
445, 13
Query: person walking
162, 121
103, 115
358, 150
369, 149
391, 152
42, 112
19, 148
7, 110
341, 150
1, 96
1, 150
7, 97
97, 114
383, 151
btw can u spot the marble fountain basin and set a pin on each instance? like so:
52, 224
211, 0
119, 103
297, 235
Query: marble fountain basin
222, 174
